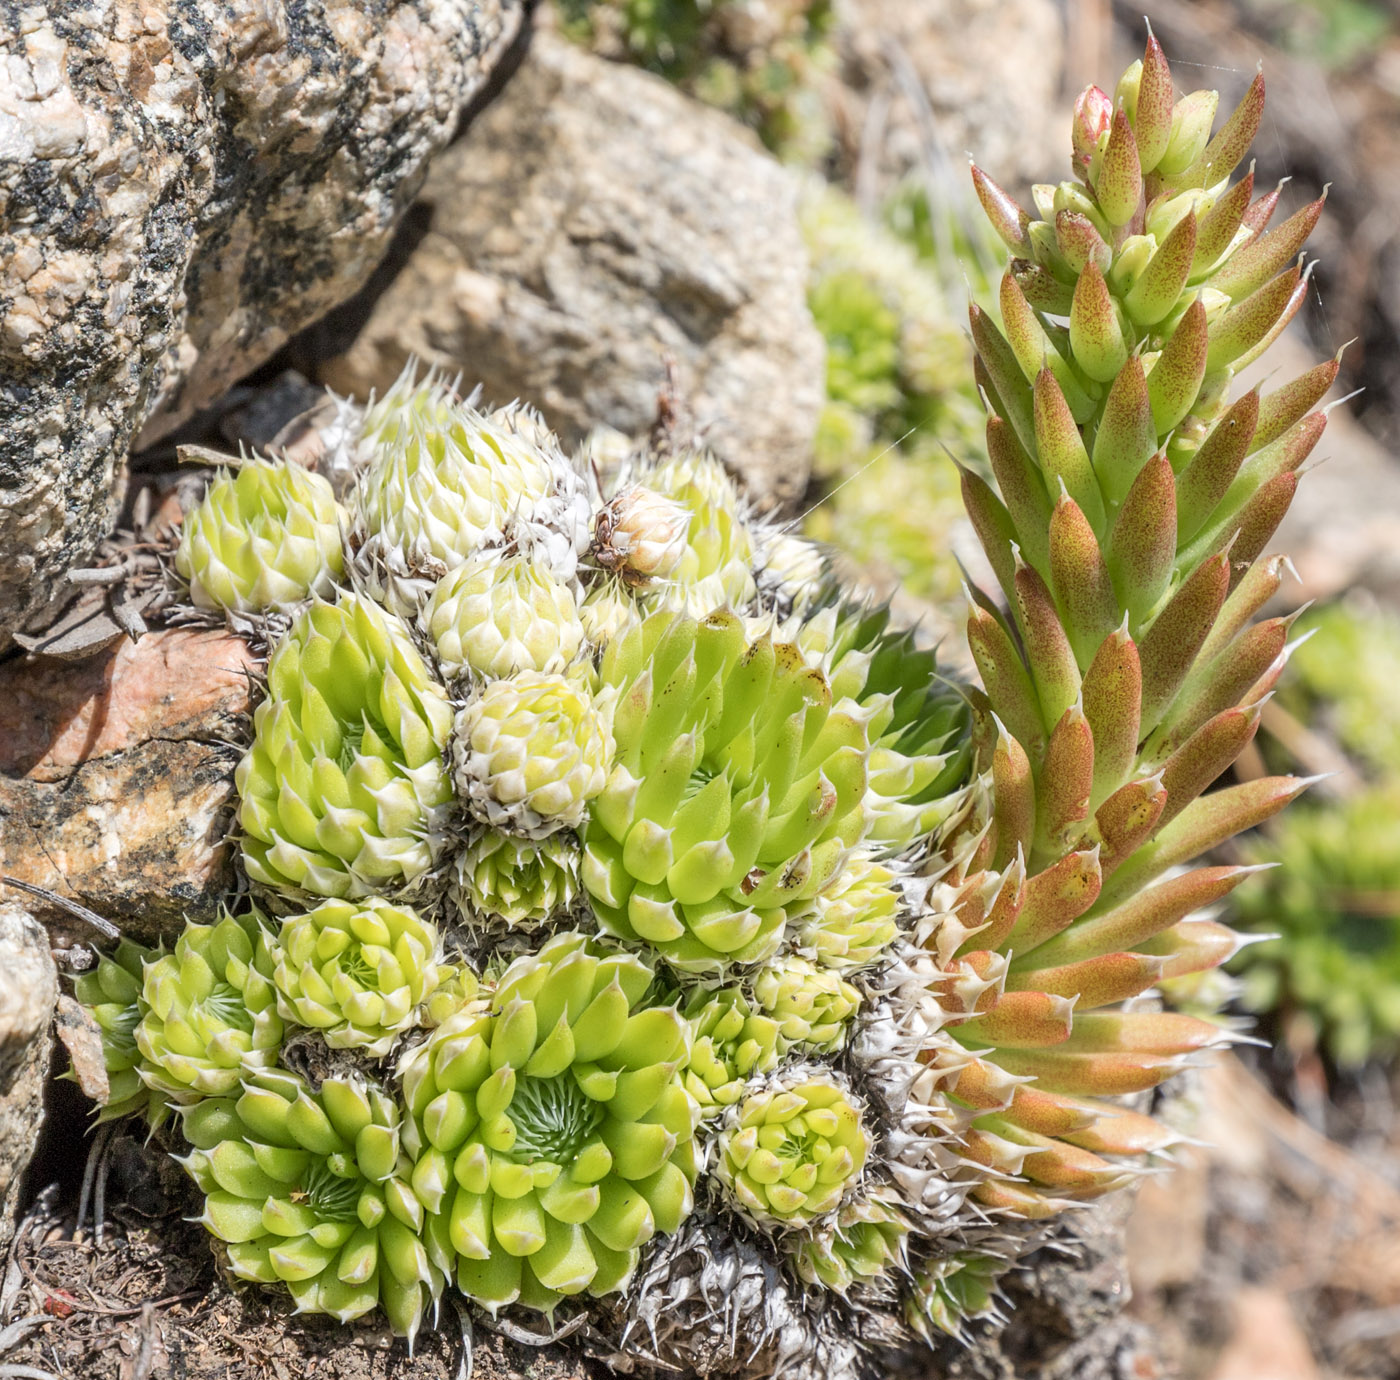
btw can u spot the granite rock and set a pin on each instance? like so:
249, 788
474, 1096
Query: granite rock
28, 990
923, 81
592, 225
116, 779
183, 184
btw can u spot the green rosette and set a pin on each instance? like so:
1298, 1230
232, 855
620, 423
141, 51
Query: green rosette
356, 971
552, 1131
793, 1151
736, 795
209, 1011
309, 1190
344, 790
262, 539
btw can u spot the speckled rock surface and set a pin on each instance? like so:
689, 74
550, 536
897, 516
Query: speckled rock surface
28, 990
183, 184
116, 778
592, 223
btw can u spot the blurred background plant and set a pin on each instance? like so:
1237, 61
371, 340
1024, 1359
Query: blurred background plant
761, 61
1330, 981
889, 296
1334, 33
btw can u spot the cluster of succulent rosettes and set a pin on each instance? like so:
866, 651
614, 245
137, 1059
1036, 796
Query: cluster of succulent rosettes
788, 1007
184, 1026
357, 971
264, 538
793, 1150
310, 1190
736, 793
551, 1130
1122, 675
496, 615
517, 882
344, 790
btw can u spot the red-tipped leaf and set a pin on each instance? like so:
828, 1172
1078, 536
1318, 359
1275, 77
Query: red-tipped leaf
1006, 217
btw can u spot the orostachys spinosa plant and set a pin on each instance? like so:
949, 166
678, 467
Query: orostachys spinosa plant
693, 953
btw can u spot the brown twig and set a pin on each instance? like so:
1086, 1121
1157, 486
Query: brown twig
105, 927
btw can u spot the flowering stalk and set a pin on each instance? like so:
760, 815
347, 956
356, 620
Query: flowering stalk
1134, 499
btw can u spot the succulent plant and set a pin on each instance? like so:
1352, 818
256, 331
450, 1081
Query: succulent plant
344, 788
445, 482
552, 1133
715, 569
520, 882
791, 1152
1333, 901
357, 971
916, 724
532, 751
496, 615
1343, 678
813, 1006
865, 1242
777, 834
733, 1041
951, 1291
309, 1190
855, 920
736, 793
1123, 677
262, 539
111, 991
208, 1011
